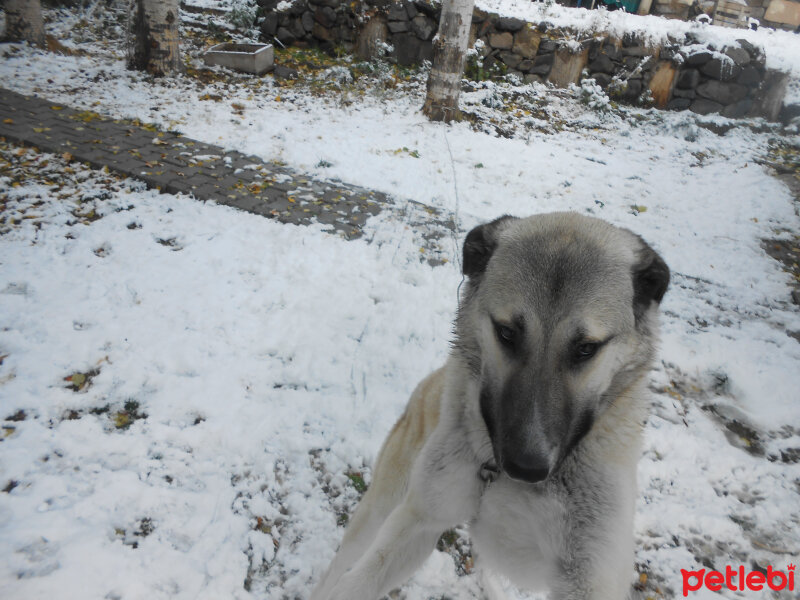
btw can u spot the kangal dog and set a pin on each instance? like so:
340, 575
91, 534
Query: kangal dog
531, 431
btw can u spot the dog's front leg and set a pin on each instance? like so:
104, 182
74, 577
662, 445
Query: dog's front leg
444, 491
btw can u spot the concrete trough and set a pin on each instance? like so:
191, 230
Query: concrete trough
247, 58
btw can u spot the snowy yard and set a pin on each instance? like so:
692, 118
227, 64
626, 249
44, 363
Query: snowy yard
192, 396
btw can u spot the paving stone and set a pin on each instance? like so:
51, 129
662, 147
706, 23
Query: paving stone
175, 164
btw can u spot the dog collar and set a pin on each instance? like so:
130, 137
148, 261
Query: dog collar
488, 472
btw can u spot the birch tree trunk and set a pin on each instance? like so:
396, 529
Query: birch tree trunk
449, 51
24, 21
154, 42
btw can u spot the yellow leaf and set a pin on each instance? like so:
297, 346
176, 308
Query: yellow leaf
67, 156
8, 121
278, 98
57, 107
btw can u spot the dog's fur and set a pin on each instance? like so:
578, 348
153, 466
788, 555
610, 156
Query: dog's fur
531, 431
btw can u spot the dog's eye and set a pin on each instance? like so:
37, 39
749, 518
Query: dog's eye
586, 350
505, 334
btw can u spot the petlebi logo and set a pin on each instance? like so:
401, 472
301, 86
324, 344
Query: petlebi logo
738, 580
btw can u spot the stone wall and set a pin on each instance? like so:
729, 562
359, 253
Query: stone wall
778, 14
683, 74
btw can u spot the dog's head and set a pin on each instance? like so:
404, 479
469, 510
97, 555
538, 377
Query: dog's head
559, 317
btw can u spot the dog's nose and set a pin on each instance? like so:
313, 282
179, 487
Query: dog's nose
530, 468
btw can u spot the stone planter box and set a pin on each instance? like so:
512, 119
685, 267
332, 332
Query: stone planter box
248, 58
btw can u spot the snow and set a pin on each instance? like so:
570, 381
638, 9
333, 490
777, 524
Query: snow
271, 359
782, 47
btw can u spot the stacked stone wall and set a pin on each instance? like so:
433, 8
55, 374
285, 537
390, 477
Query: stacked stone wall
681, 74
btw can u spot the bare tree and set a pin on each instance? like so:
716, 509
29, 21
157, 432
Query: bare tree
449, 51
154, 42
24, 21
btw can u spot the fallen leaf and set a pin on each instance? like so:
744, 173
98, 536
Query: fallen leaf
67, 156
57, 107
8, 121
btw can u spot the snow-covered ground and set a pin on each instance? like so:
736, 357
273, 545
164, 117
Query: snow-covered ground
231, 379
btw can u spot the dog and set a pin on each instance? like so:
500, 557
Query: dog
531, 432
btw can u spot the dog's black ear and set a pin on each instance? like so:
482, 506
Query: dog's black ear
650, 280
480, 244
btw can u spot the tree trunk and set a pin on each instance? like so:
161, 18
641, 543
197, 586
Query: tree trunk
154, 44
449, 51
24, 21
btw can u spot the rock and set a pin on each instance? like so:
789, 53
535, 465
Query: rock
750, 76
679, 93
669, 52
755, 52
789, 112
594, 48
411, 10
397, 12
632, 89
533, 78
525, 65
739, 56
406, 48
479, 15
425, 51
636, 51
688, 79
542, 64
281, 72
346, 33
547, 46
602, 79
768, 98
398, 26
510, 59
703, 106
501, 41
308, 21
323, 33
723, 93
630, 39
325, 16
297, 29
297, 8
509, 24
270, 24
679, 104
634, 62
611, 51
602, 64
698, 58
526, 42
285, 37
424, 27
737, 110
724, 70
796, 296
428, 7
